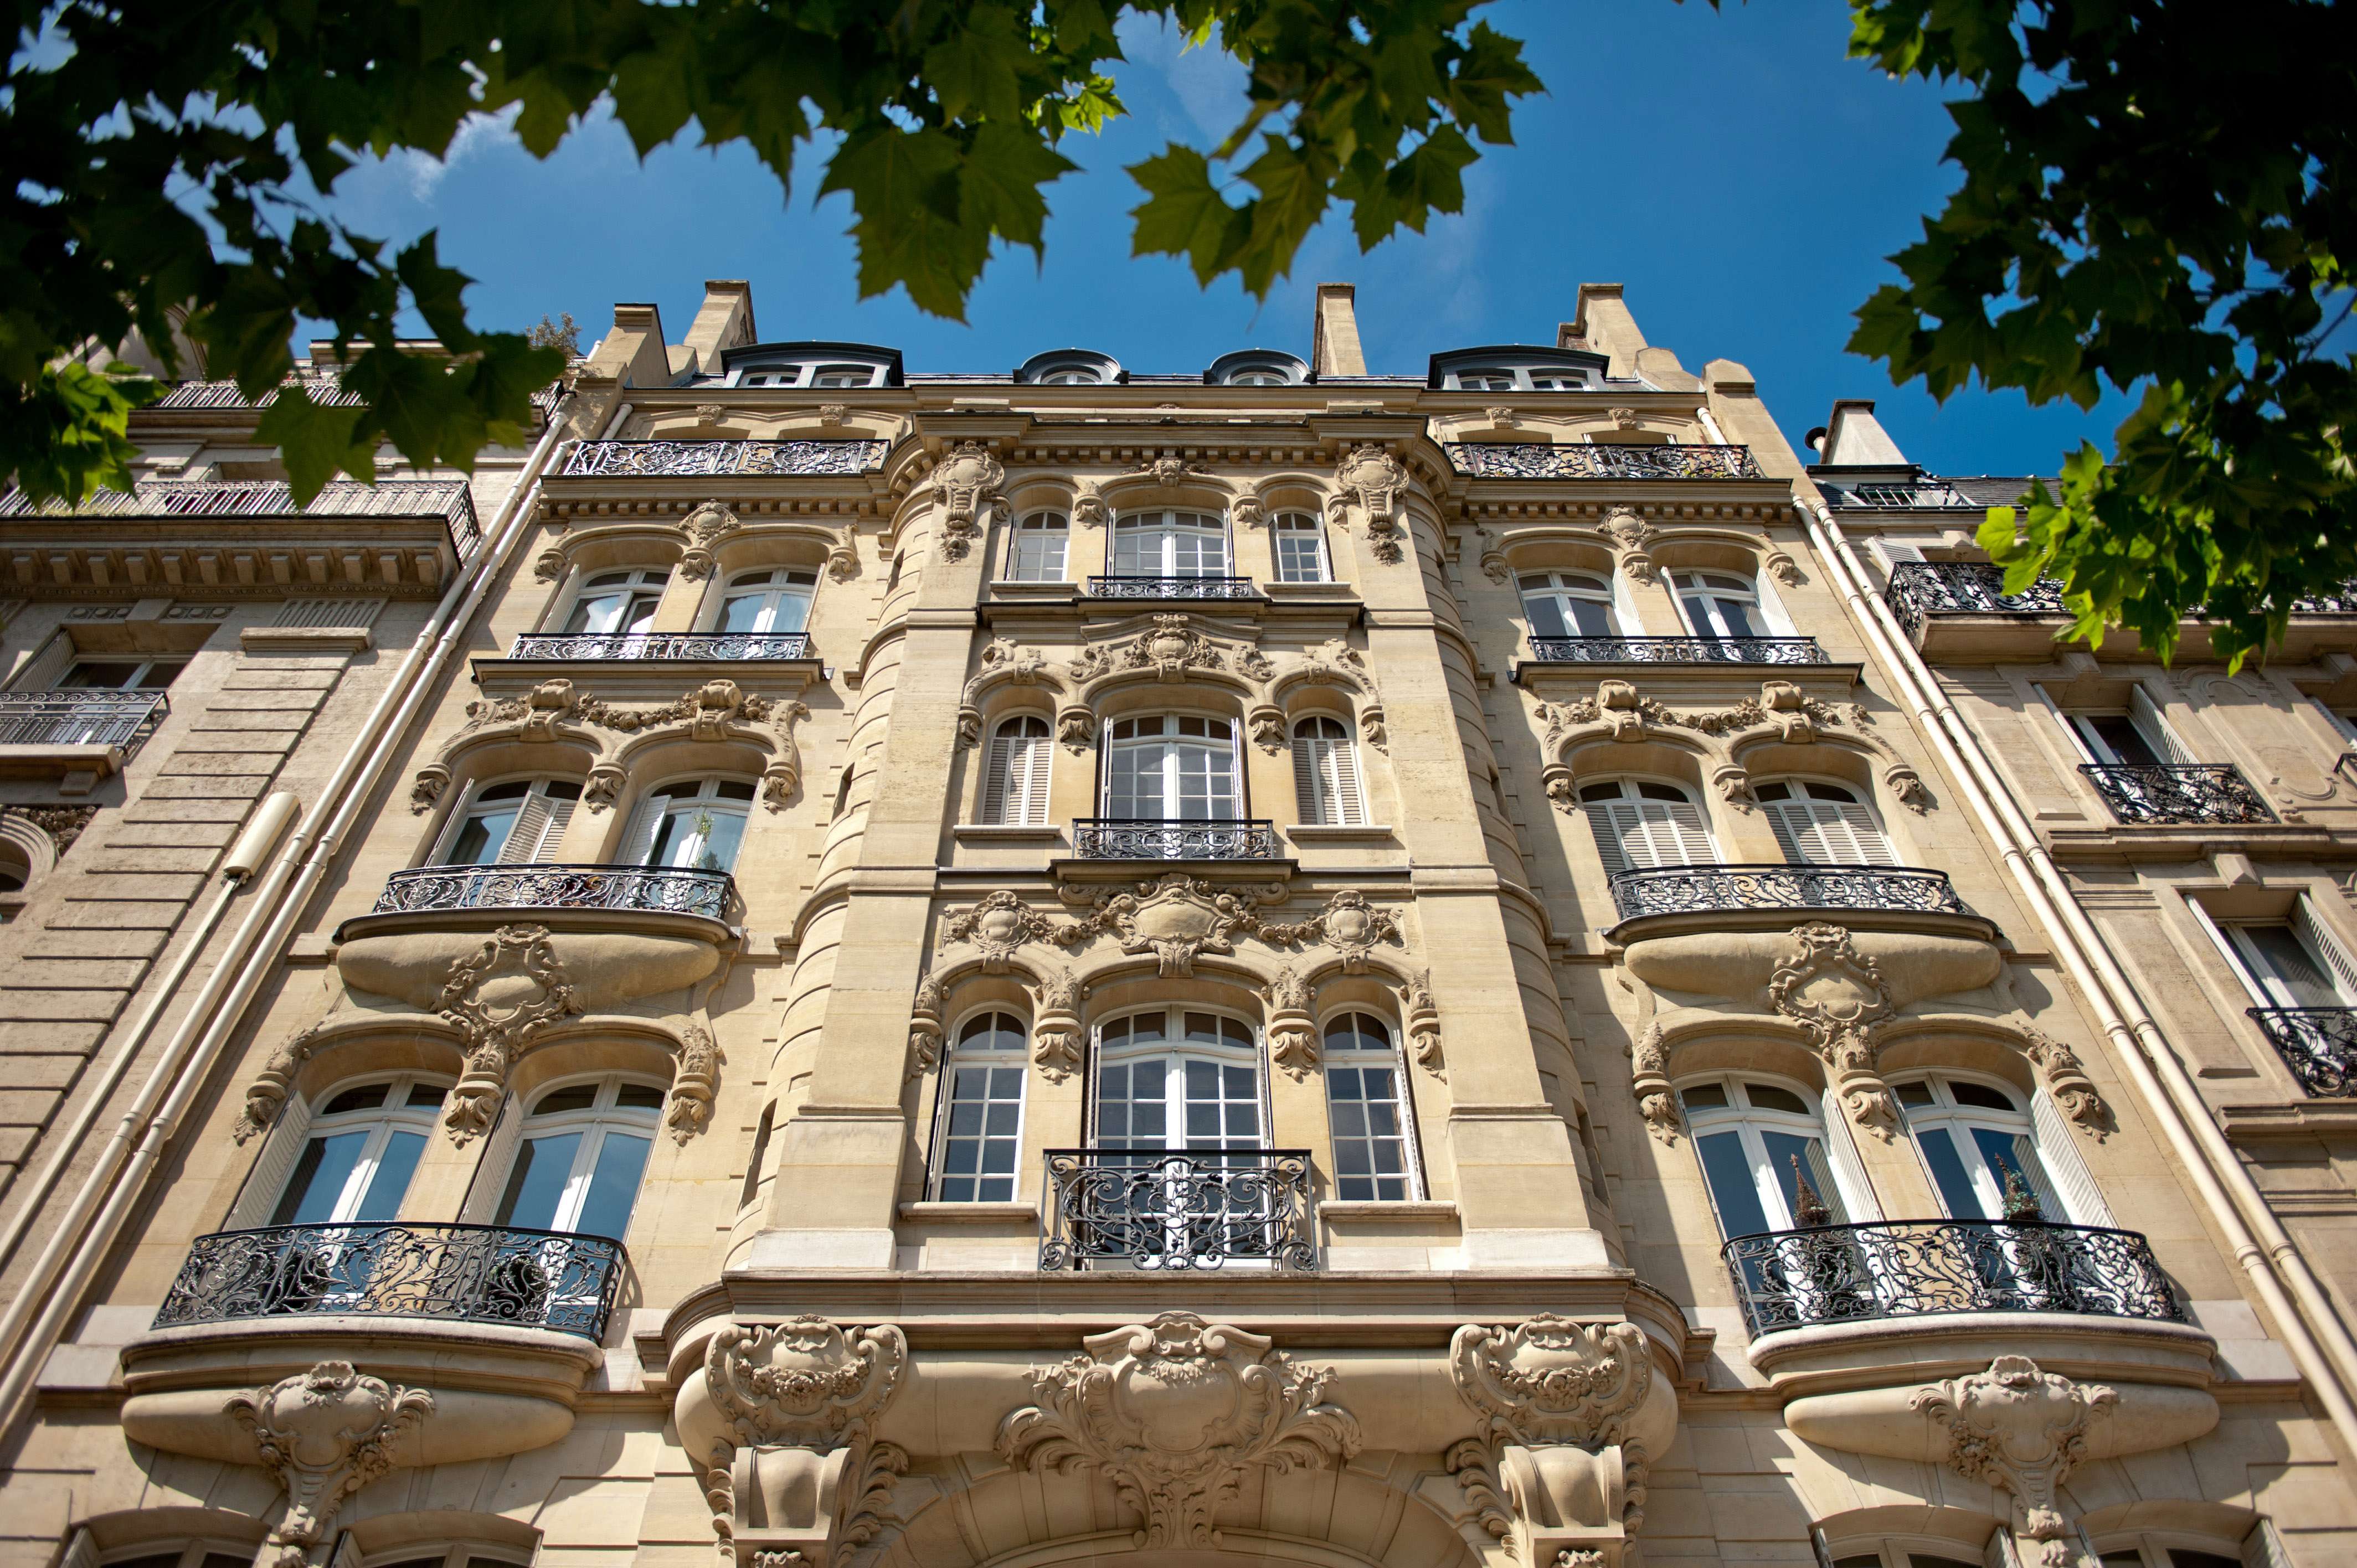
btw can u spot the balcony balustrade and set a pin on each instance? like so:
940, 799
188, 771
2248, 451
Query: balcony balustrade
1922, 495
1198, 1210
1676, 650
680, 459
683, 645
1693, 889
326, 390
1149, 838
1921, 588
1538, 460
1919, 1268
1179, 587
455, 1273
448, 499
2318, 1043
79, 717
660, 889
2176, 792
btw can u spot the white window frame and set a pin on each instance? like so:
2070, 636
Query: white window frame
805, 373
1328, 786
1018, 769
1046, 529
2333, 960
1655, 818
1748, 1120
2139, 710
1167, 526
1175, 1048
597, 1122
1550, 587
1294, 526
543, 813
1394, 1057
1959, 1121
380, 1120
1857, 818
664, 799
1687, 581
139, 669
777, 588
635, 583
957, 1053
1172, 777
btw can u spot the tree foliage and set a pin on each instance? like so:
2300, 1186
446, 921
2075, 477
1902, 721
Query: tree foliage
168, 165
2155, 196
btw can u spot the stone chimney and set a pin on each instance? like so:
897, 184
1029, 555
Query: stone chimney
1334, 349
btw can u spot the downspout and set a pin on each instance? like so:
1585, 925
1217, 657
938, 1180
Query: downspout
63, 1271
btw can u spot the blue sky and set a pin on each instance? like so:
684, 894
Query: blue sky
1739, 177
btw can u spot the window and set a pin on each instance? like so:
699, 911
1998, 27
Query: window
832, 366
612, 604
197, 1554
1758, 1142
1638, 823
1255, 379
1300, 548
584, 1148
2289, 962
1071, 376
513, 823
1507, 368
981, 1112
1902, 1557
1567, 603
697, 824
363, 1148
1719, 605
1015, 787
1069, 368
1036, 554
842, 376
774, 603
1979, 1146
2160, 1549
121, 674
1256, 368
1483, 380
1326, 773
1169, 544
1172, 768
2134, 736
1820, 823
1178, 1079
1367, 1111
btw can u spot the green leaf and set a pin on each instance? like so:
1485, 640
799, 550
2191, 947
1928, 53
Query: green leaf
1184, 214
438, 292
911, 230
316, 443
1003, 173
977, 72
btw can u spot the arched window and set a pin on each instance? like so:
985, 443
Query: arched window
2175, 1549
1897, 1554
363, 1147
1759, 1142
1036, 552
1256, 368
511, 823
1720, 604
1568, 603
981, 1127
1169, 544
1071, 376
1638, 822
1178, 1077
1015, 785
581, 1153
197, 1554
1980, 1146
1368, 1112
1326, 773
1300, 548
618, 603
1172, 768
1820, 823
776, 602
696, 822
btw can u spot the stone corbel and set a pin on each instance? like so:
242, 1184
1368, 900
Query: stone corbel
549, 565
1494, 564
426, 789
1657, 1102
604, 786
701, 529
1631, 536
1619, 704
497, 998
695, 1082
1087, 505
1371, 479
1076, 728
925, 1028
843, 559
2067, 1081
1839, 998
1784, 569
1906, 786
1266, 724
1556, 779
1292, 1027
783, 775
1787, 707
1056, 1032
1373, 731
2022, 1430
1245, 511
266, 1095
969, 479
325, 1433
1424, 1024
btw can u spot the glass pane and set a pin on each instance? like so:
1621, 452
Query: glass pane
319, 1178
1948, 1173
1728, 1172
2000, 1152
742, 612
2284, 959
1545, 612
389, 1183
482, 837
614, 1186
1783, 1150
537, 1182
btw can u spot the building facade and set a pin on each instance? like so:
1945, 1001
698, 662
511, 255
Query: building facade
831, 965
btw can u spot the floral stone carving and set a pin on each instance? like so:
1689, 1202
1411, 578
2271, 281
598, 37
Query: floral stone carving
1839, 998
1371, 479
1349, 924
1558, 1403
1002, 923
508, 991
1175, 1413
703, 528
1056, 1032
805, 1382
266, 1095
925, 1028
2023, 1429
1632, 536
969, 478
1169, 650
1292, 1027
1175, 918
694, 1080
325, 1433
2066, 1079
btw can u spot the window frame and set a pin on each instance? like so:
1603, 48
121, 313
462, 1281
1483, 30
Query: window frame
1950, 1114
381, 1122
1617, 858
1788, 834
994, 1058
1169, 531
1174, 1049
1112, 743
1395, 1058
1047, 525
1007, 802
1712, 623
643, 827
140, 665
597, 1121
556, 815
630, 590
1334, 800
1291, 526
1560, 594
774, 595
1750, 1123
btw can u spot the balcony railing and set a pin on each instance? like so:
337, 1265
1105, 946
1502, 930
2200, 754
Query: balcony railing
2176, 792
1691, 889
1148, 838
1202, 1209
2318, 1043
660, 889
1920, 588
455, 1273
449, 499
1922, 495
588, 645
1919, 1268
327, 392
1676, 650
79, 717
1178, 587
1537, 460
675, 459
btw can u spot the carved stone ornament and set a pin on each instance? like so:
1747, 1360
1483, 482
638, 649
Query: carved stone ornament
499, 997
2023, 1429
1169, 650
266, 1095
1373, 731
1291, 1028
1494, 564
969, 478
718, 710
701, 529
1632, 536
805, 1382
1623, 418
1266, 726
2066, 1079
843, 558
925, 1027
1175, 918
695, 1079
709, 414
1424, 1024
1906, 786
830, 414
1839, 998
1656, 1103
1552, 1380
1168, 470
1175, 1414
1501, 417
548, 566
783, 775
325, 1433
1056, 1032
1349, 924
1001, 924
1371, 479
1002, 662
1477, 1480
1089, 507
1245, 511
1784, 569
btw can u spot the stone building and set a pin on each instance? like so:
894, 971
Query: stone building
834, 965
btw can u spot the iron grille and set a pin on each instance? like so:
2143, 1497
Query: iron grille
1128, 838
1202, 1209
79, 717
458, 1274
1538, 460
1923, 495
1688, 889
1172, 588
662, 460
665, 890
1676, 650
718, 644
2176, 792
1920, 1268
326, 390
448, 499
2318, 1043
1920, 588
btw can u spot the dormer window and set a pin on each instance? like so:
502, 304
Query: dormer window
1517, 369
1256, 368
1071, 368
814, 367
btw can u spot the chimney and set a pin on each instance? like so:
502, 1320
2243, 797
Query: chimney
725, 322
1855, 438
1334, 349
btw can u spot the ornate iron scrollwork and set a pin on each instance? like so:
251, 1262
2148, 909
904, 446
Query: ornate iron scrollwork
1180, 587
671, 459
667, 889
1685, 889
2318, 1043
585, 645
79, 718
1200, 1209
2177, 792
1125, 838
1676, 650
1920, 588
1537, 460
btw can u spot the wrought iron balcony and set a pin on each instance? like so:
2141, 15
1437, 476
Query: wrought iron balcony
1200, 1209
79, 717
675, 459
457, 1273
1920, 588
1150, 838
1691, 889
1179, 587
326, 390
2318, 1043
1538, 460
1676, 650
1920, 495
2176, 792
660, 889
586, 645
449, 499
1919, 1268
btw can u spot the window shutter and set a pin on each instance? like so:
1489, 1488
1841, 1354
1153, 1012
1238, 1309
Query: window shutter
998, 775
2325, 945
1821, 1177
1610, 820
1673, 833
1791, 834
2025, 1155
560, 817
1772, 608
531, 825
639, 839
1857, 1200
280, 1149
1999, 1551
1626, 621
1308, 798
2067, 1182
1349, 805
492, 1167
2262, 1548
1038, 753
2147, 717
1869, 846
2235, 960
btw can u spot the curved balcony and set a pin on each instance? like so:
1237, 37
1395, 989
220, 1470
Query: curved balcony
683, 645
47, 733
1676, 650
1922, 588
2318, 1043
2171, 793
1179, 587
1194, 1211
666, 890
1696, 889
1129, 838
1538, 460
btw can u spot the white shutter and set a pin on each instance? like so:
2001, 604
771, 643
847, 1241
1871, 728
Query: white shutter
1828, 832
552, 833
1999, 1551
1668, 834
2070, 1182
2147, 717
2252, 982
2262, 1548
639, 839
532, 822
1038, 755
1611, 821
1790, 818
1772, 608
1857, 1192
997, 774
281, 1147
44, 669
1868, 844
2326, 946
492, 1167
1349, 804
1624, 607
1893, 552
1307, 797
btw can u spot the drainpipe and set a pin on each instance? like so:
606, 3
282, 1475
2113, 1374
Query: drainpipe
55, 1284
